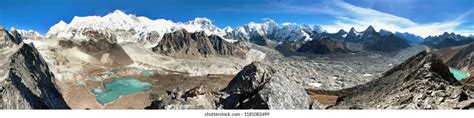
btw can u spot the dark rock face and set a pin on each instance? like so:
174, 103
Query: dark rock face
257, 86
388, 43
447, 40
29, 84
324, 46
183, 44
421, 82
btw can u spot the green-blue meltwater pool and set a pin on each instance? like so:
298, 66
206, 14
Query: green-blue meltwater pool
459, 75
118, 87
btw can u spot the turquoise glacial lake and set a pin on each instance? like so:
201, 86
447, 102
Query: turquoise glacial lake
118, 87
459, 75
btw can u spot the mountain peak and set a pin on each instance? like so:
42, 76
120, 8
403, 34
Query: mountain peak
370, 29
352, 30
228, 29
12, 29
117, 13
341, 31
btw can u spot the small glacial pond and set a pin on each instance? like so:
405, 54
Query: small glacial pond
118, 87
459, 75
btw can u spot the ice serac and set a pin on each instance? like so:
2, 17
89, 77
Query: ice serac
28, 82
421, 82
258, 86
185, 44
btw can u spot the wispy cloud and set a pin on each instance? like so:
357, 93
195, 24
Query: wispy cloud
348, 15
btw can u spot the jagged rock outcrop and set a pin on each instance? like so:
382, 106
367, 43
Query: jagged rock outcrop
258, 86
421, 82
7, 39
183, 44
324, 46
28, 82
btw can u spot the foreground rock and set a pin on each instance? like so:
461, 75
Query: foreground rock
28, 82
421, 82
194, 98
257, 86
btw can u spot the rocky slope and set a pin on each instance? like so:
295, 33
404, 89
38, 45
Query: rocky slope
460, 57
184, 44
421, 82
108, 53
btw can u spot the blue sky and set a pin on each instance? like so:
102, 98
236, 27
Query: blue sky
422, 17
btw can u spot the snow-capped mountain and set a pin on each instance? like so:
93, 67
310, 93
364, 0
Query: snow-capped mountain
121, 27
30, 34
127, 28
269, 29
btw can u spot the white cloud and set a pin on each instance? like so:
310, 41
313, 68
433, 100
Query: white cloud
288, 23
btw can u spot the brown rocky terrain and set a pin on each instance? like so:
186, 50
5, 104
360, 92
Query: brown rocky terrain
184, 44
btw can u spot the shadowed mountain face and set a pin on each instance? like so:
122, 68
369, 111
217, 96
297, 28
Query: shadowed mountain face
183, 44
388, 43
421, 82
447, 40
370, 39
324, 46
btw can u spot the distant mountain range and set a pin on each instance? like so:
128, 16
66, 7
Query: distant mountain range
130, 28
